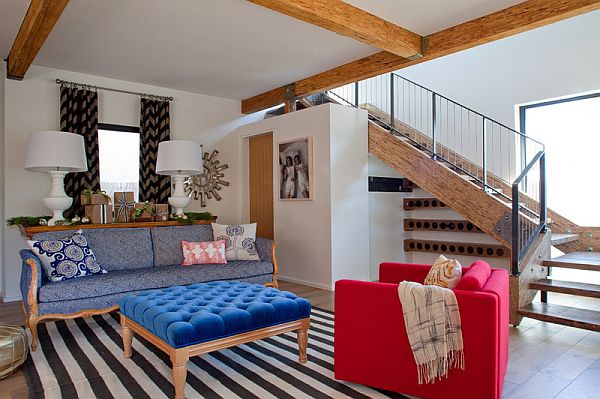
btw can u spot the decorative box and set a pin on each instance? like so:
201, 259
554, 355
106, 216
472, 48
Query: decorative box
89, 197
100, 214
124, 204
146, 212
161, 212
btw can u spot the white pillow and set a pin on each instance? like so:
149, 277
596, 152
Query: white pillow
240, 240
444, 273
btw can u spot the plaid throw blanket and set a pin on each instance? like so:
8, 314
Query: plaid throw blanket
433, 326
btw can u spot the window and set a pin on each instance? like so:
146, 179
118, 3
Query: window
119, 148
570, 130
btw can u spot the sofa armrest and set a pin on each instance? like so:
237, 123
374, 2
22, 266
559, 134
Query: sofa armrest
31, 279
266, 252
265, 249
391, 272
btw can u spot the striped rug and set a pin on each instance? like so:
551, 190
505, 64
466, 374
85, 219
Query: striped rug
83, 358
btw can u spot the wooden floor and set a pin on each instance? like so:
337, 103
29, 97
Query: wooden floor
546, 360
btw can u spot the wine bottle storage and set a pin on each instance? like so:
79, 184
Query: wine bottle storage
411, 204
458, 226
456, 248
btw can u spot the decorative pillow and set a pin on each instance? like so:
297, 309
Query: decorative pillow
66, 258
201, 253
444, 273
240, 240
475, 277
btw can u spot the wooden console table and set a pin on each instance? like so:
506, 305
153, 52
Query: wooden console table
30, 231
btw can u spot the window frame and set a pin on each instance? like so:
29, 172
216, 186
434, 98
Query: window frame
523, 115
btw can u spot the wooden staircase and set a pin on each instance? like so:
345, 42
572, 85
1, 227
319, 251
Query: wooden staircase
413, 137
588, 319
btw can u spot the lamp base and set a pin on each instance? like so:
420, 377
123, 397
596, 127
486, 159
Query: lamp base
179, 204
57, 205
57, 201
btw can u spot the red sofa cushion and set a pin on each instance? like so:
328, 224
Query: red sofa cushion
475, 278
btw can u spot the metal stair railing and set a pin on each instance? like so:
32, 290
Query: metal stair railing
502, 161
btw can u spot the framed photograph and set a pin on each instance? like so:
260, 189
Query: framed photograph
295, 169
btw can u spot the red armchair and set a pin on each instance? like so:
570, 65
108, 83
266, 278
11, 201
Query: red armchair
371, 345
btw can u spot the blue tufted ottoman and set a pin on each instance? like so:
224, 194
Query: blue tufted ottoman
190, 320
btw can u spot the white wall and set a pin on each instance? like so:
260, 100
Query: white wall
317, 244
349, 193
33, 104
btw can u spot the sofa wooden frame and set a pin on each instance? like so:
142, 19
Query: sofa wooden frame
33, 318
180, 356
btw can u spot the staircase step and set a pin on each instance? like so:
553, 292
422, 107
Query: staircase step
456, 248
457, 226
558, 239
564, 315
566, 287
576, 260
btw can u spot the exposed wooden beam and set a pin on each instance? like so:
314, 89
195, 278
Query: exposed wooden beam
41, 17
347, 20
501, 24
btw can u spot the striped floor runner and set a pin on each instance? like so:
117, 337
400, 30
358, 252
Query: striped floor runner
83, 358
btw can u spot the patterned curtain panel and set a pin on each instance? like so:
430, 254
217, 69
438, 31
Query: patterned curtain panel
79, 114
154, 128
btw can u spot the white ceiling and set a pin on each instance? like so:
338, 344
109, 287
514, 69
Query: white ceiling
429, 16
227, 48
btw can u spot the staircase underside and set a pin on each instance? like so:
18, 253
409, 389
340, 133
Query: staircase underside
490, 215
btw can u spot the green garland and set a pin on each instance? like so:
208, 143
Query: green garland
192, 217
26, 221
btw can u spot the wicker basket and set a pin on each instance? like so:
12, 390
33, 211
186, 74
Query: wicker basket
13, 349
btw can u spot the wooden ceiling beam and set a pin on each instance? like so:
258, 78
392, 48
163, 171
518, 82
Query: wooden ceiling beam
39, 21
350, 21
501, 24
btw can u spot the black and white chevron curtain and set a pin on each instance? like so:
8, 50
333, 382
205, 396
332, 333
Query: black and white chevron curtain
79, 114
154, 128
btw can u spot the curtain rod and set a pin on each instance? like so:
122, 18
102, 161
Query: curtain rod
150, 96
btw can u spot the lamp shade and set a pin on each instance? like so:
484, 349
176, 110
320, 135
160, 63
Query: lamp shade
179, 157
51, 150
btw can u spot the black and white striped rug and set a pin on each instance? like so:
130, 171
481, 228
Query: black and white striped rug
83, 358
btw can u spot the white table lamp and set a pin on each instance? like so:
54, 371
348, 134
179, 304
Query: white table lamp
56, 153
179, 159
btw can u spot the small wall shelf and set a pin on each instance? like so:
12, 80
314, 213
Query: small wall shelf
30, 231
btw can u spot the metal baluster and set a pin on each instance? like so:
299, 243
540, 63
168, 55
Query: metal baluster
434, 127
484, 154
543, 210
392, 105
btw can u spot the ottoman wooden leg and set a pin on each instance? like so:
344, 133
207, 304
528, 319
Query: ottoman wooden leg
179, 358
302, 336
127, 337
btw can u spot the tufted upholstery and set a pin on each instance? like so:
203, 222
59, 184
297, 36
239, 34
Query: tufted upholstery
187, 315
115, 249
154, 277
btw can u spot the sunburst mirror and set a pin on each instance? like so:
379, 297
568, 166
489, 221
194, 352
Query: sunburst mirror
205, 186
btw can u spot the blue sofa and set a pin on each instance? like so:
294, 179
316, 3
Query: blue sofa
136, 259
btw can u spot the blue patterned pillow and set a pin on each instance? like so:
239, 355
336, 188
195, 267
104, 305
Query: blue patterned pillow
67, 258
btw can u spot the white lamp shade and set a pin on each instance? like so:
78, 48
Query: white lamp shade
179, 157
51, 150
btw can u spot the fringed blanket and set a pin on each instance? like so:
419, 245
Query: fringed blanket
433, 326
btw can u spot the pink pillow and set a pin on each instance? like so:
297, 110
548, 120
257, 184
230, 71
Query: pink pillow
475, 278
201, 253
